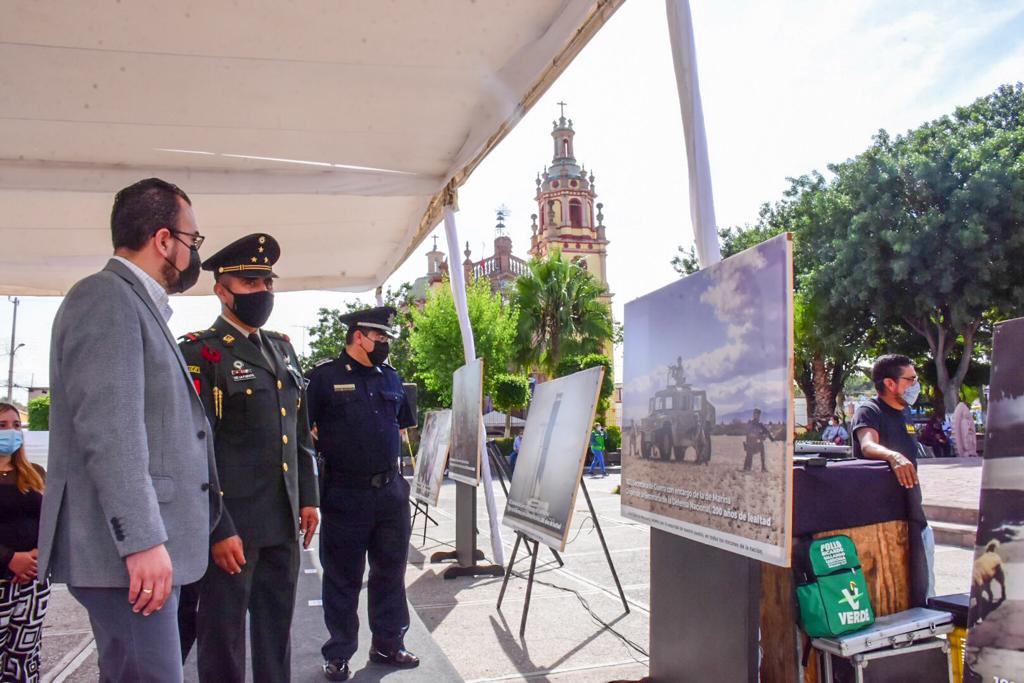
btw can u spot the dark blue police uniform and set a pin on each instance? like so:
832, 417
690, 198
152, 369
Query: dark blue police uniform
358, 411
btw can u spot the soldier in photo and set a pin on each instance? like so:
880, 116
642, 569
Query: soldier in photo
753, 442
358, 407
251, 386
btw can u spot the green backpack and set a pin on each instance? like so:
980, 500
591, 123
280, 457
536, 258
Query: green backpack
831, 590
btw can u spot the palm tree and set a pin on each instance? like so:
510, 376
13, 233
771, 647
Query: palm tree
560, 314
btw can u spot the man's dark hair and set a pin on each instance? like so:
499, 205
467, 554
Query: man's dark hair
889, 366
350, 335
143, 208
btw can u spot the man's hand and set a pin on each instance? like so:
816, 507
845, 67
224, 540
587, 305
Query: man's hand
903, 469
24, 566
150, 577
309, 520
228, 554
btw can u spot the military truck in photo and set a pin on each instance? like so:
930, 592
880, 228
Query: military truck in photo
680, 417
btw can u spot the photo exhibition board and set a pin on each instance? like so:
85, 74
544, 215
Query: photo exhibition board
551, 456
432, 456
467, 422
995, 646
707, 405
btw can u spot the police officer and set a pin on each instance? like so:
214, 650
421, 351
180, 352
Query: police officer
358, 407
251, 386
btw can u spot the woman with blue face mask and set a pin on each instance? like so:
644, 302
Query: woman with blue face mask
23, 596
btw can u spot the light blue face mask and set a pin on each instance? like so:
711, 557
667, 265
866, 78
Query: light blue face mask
912, 393
10, 441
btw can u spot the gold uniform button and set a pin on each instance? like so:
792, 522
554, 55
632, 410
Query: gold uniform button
284, 438
283, 412
284, 466
279, 384
248, 392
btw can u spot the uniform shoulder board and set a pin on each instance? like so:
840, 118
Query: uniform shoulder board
277, 335
198, 336
325, 361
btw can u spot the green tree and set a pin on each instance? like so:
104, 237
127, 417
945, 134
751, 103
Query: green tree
39, 413
573, 364
436, 340
510, 392
560, 314
827, 337
936, 238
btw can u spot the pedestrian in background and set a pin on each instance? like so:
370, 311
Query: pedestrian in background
597, 443
23, 596
132, 490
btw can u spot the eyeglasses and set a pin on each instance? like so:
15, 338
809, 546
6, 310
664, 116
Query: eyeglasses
909, 379
197, 239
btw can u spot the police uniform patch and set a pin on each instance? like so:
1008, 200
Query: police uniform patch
344, 387
195, 370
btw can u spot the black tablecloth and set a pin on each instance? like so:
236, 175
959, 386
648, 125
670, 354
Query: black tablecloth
854, 493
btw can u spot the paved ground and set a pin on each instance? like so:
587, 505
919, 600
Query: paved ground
566, 637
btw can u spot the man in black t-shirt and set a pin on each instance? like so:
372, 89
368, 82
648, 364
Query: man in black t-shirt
882, 429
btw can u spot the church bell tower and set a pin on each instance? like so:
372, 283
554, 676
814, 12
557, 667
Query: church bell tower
566, 218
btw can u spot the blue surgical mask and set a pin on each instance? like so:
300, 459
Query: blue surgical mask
912, 393
10, 440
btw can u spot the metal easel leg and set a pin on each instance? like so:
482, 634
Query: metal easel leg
508, 570
604, 545
529, 587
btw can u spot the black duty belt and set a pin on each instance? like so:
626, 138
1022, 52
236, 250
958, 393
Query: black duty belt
362, 481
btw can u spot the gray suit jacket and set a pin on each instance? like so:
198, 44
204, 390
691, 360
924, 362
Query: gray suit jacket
131, 452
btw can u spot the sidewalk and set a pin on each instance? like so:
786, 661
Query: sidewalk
564, 639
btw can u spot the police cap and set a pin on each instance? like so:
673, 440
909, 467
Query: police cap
381, 318
252, 256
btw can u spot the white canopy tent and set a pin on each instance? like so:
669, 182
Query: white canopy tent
340, 126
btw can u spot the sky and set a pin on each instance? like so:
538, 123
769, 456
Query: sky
788, 87
728, 326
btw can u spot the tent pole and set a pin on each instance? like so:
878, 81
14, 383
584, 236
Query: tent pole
724, 645
466, 541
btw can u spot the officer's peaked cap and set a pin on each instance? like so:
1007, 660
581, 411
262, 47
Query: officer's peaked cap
381, 318
252, 256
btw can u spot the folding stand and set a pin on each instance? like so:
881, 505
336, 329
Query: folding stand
423, 508
466, 496
522, 537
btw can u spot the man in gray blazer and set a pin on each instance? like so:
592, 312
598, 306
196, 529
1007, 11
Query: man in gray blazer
132, 491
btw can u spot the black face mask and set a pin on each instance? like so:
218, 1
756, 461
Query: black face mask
254, 308
187, 278
380, 352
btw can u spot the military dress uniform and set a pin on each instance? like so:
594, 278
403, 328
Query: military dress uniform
358, 412
253, 392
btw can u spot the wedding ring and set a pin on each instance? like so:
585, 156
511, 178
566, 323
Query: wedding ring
147, 590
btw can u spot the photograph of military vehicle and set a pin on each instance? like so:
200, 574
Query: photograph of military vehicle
680, 417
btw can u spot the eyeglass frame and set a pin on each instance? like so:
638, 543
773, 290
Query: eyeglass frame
197, 239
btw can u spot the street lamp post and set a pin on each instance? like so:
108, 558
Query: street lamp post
10, 368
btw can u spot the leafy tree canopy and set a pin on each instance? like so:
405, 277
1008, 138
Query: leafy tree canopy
436, 340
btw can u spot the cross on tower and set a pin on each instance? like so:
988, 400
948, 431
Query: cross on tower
561, 106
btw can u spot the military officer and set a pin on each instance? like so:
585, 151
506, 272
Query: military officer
358, 407
251, 386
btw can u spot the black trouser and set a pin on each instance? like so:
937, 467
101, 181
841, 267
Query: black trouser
751, 449
265, 589
359, 523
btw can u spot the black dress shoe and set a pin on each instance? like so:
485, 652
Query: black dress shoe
336, 669
400, 658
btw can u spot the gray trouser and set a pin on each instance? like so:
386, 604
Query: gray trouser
132, 647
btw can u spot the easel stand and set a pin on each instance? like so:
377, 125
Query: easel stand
424, 509
465, 531
526, 540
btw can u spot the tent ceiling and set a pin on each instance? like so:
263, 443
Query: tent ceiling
335, 125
